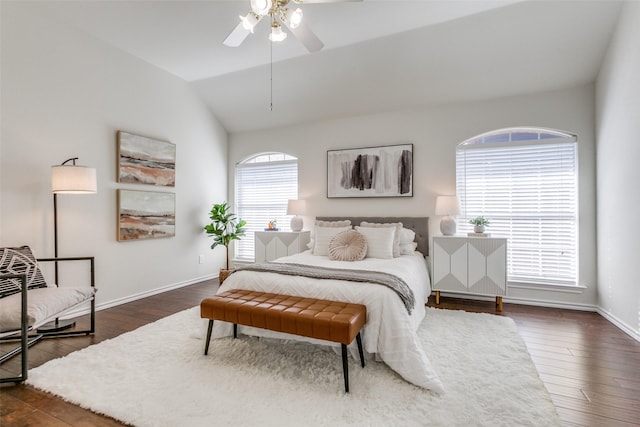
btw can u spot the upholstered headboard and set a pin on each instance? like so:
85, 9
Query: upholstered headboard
420, 225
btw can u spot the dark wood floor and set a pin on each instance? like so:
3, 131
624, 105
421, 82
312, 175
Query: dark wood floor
590, 368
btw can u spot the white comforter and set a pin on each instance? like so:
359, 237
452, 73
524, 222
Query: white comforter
390, 332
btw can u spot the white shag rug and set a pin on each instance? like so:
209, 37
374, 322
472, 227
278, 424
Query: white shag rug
157, 375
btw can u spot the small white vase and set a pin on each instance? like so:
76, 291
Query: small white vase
478, 228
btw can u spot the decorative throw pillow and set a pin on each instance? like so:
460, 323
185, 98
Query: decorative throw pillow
322, 237
407, 236
342, 223
379, 241
397, 227
408, 248
18, 261
319, 223
348, 246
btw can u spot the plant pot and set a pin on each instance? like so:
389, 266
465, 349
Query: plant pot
478, 228
224, 273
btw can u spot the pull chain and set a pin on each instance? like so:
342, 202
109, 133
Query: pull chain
271, 73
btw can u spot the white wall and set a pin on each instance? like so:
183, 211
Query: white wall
618, 157
66, 95
435, 133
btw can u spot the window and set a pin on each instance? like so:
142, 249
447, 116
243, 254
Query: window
525, 182
264, 184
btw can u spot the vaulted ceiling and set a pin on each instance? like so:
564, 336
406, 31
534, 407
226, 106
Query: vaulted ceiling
378, 56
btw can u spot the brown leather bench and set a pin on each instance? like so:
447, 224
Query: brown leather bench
309, 317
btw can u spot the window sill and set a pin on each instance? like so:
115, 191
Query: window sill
571, 289
241, 262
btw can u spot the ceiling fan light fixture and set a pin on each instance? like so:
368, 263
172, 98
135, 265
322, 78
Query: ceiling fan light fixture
249, 21
261, 7
295, 18
277, 35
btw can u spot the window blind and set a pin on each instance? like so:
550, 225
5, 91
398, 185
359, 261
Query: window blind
262, 190
528, 190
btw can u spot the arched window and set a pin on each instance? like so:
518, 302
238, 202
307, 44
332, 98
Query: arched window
525, 181
263, 185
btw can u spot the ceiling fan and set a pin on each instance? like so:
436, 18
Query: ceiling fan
280, 14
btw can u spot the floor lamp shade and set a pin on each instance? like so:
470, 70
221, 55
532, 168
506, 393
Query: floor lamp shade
296, 207
72, 179
449, 206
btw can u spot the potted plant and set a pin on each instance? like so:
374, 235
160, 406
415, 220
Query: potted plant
479, 223
224, 228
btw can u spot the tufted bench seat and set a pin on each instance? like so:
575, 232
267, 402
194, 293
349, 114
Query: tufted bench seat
333, 321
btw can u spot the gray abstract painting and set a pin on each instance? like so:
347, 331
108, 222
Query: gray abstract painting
385, 171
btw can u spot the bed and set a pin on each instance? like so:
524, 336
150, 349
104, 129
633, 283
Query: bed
390, 332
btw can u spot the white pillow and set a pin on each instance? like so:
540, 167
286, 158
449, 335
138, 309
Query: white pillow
322, 237
407, 236
379, 241
342, 223
408, 248
396, 226
319, 223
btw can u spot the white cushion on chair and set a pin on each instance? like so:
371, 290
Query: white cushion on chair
43, 304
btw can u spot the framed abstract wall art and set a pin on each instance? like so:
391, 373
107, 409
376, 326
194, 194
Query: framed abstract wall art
385, 171
143, 160
146, 215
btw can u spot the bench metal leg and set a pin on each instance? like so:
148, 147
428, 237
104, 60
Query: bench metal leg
345, 368
209, 329
359, 340
235, 330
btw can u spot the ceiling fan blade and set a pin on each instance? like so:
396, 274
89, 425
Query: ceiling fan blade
307, 37
237, 36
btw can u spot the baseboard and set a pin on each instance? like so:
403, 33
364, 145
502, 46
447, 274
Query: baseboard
619, 324
542, 303
86, 310
156, 291
524, 301
551, 304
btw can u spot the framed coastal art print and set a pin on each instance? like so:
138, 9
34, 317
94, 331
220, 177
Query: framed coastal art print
385, 171
146, 215
143, 160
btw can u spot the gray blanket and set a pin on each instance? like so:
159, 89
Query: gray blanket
394, 283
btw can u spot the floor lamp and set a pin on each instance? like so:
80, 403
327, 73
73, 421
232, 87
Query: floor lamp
67, 179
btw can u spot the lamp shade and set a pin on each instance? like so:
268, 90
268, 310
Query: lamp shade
447, 205
261, 7
294, 18
72, 179
277, 35
296, 207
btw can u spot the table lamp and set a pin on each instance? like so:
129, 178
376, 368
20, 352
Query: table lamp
449, 206
296, 207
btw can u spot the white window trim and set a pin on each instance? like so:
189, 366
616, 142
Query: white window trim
556, 287
523, 280
261, 221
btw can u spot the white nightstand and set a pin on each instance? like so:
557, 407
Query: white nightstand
270, 245
470, 265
